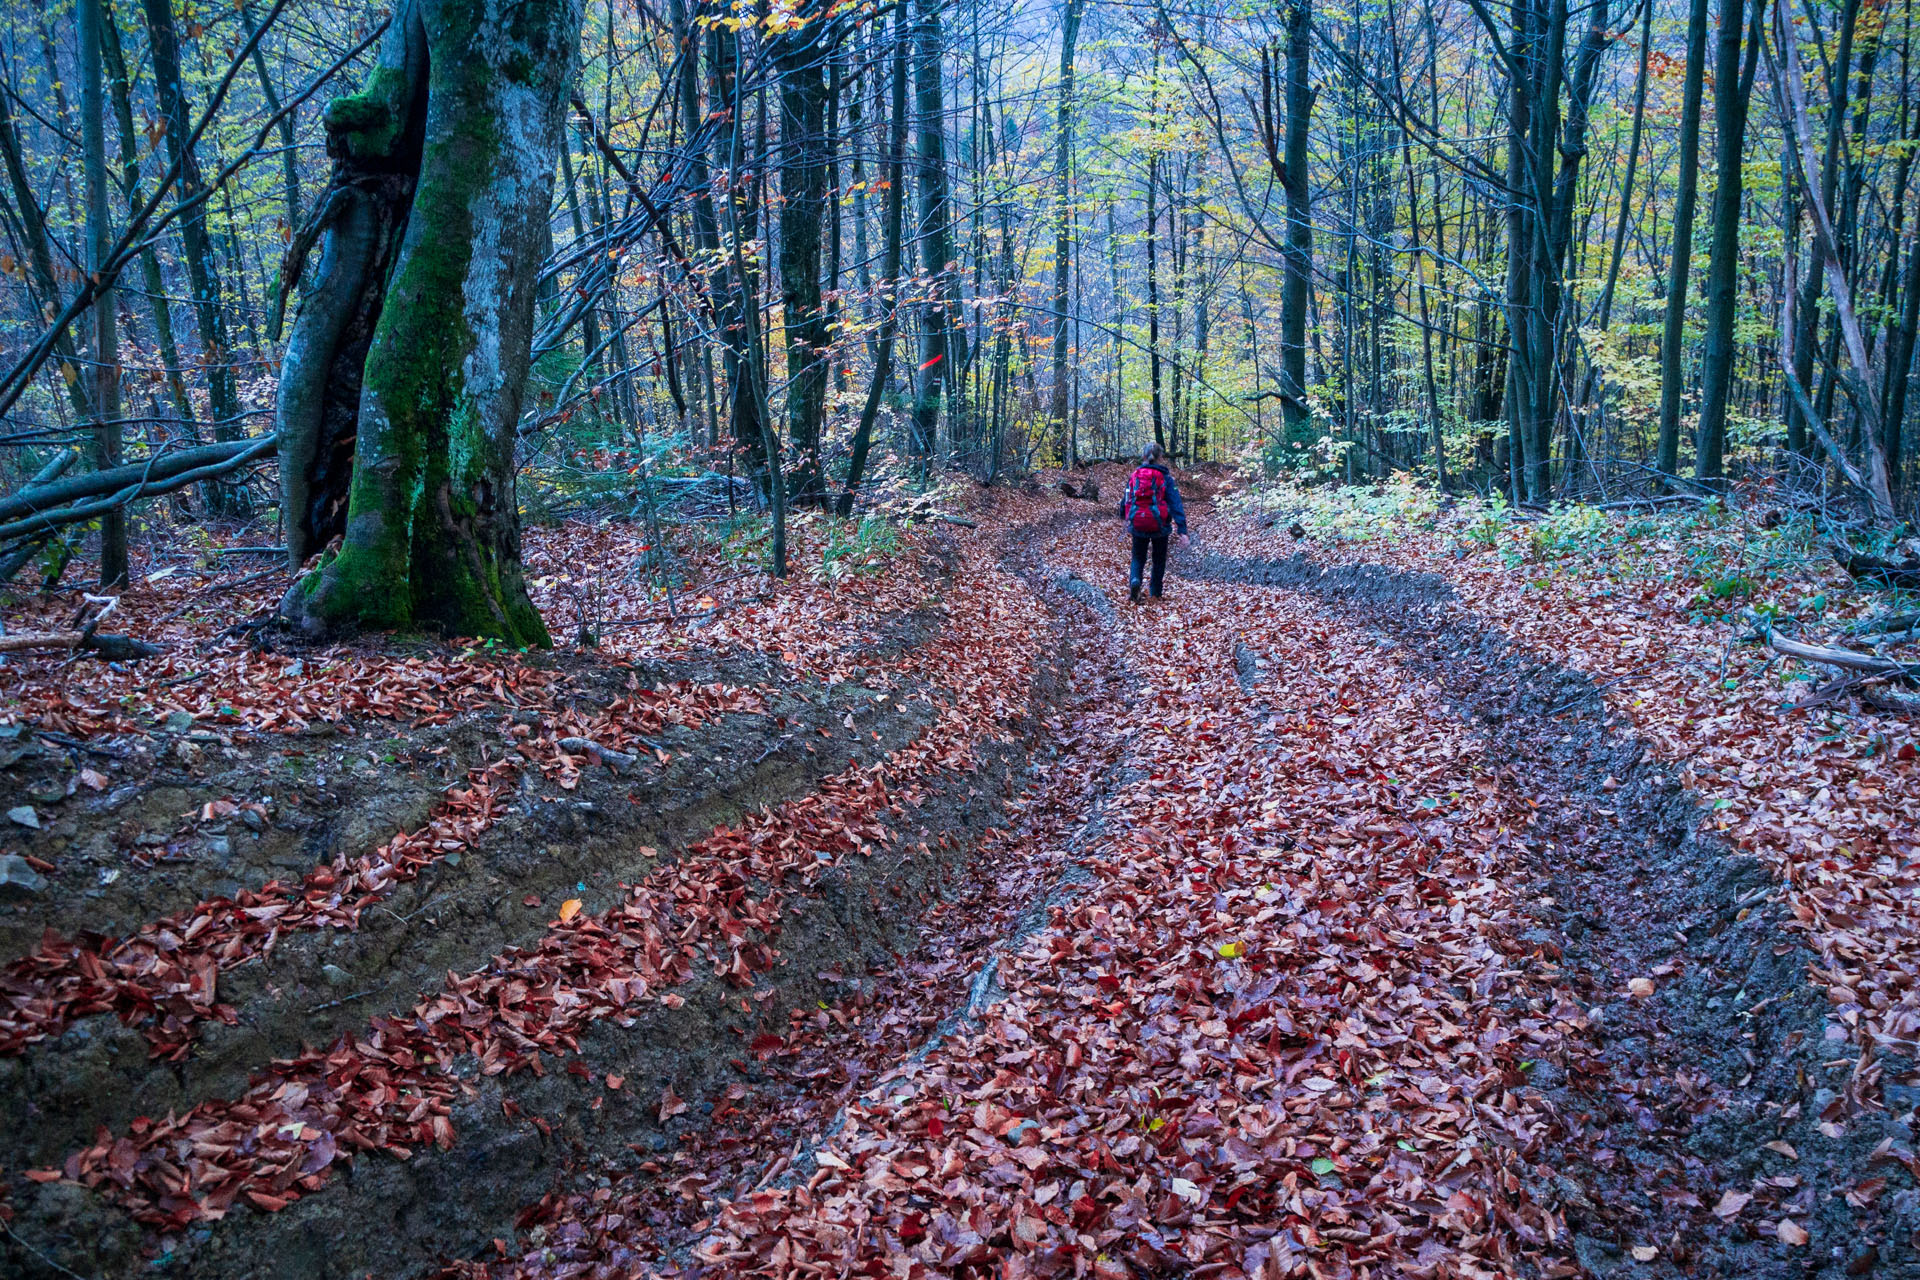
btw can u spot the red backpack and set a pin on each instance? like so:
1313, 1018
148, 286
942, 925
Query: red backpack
1147, 509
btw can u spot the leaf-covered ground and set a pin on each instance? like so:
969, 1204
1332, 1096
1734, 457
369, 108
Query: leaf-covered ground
1375, 911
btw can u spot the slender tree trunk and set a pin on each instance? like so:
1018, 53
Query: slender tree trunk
106, 339
203, 278
1732, 90
150, 275
896, 160
1633, 162
1153, 291
1063, 220
1298, 259
289, 154
432, 536
741, 294
1673, 377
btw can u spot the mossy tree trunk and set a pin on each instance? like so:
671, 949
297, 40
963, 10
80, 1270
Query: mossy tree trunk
432, 534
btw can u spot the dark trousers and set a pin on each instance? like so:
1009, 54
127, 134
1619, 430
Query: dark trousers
1141, 542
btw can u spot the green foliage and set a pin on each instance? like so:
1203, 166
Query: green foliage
850, 550
1569, 529
1350, 513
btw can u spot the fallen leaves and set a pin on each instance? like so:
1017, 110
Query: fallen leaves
391, 1089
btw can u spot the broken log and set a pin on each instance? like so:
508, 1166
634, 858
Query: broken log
1904, 575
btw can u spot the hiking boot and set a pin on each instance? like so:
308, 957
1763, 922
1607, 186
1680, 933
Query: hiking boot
1133, 591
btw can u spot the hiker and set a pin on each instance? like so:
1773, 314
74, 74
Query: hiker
1152, 509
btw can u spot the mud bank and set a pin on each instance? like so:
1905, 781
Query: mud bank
519, 1136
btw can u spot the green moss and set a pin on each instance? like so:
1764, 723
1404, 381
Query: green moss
369, 123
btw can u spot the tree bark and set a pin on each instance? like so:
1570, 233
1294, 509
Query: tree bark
376, 139
1299, 245
943, 342
433, 528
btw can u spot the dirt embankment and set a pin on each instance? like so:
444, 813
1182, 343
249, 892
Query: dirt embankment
1729, 1077
226, 817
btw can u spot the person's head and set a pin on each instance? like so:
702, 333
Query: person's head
1153, 456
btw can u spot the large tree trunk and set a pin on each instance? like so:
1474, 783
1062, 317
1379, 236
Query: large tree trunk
432, 539
375, 139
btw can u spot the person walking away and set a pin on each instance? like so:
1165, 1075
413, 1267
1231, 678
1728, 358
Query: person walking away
1153, 511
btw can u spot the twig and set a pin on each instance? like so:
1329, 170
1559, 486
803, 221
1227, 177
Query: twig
358, 995
16, 1238
76, 744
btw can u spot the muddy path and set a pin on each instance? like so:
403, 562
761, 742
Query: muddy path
1414, 961
1712, 1085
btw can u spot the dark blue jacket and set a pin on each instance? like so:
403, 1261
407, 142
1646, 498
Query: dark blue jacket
1173, 498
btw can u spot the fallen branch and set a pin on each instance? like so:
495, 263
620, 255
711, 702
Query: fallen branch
122, 485
1846, 659
1891, 700
110, 647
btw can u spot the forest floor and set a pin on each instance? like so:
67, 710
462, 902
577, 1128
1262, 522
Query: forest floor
1405, 897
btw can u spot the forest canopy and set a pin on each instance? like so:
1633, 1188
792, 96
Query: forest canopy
453, 269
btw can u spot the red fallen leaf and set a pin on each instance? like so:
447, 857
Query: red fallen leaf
531, 900
615, 1081
270, 1203
913, 1229
936, 1126
44, 1175
766, 1045
671, 1104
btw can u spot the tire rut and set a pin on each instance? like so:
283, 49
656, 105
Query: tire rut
1678, 1094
